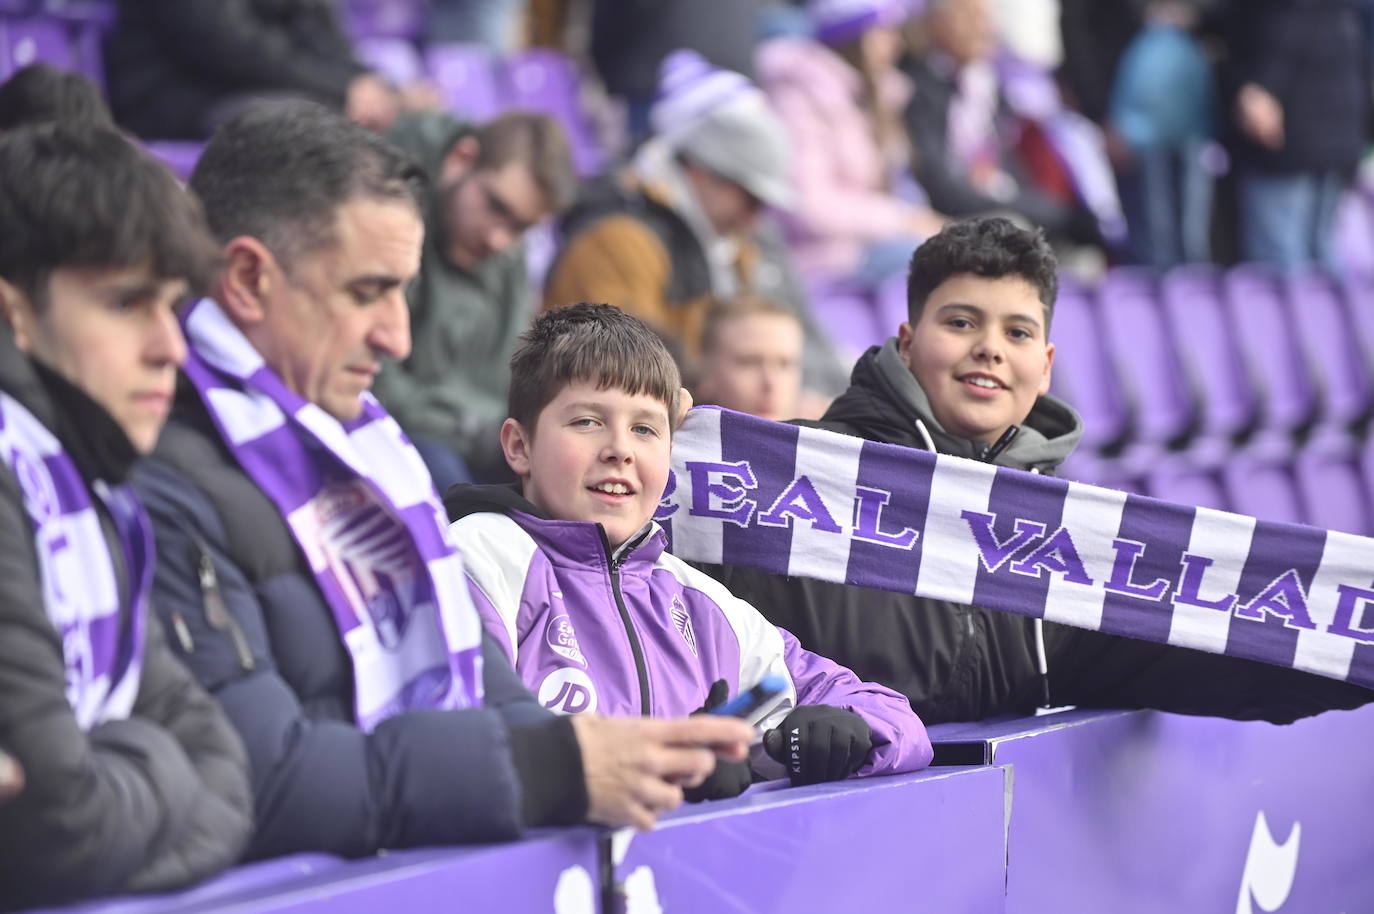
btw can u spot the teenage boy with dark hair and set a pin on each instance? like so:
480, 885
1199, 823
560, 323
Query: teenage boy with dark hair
970, 365
571, 576
307, 569
133, 779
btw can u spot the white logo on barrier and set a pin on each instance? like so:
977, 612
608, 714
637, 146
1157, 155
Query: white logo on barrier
1269, 868
575, 892
567, 691
641, 892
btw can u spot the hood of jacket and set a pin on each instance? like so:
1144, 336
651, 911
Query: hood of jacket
884, 402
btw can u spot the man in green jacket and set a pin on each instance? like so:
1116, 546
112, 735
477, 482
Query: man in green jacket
490, 185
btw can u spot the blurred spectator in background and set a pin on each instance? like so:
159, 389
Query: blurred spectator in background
630, 39
966, 138
489, 185
39, 93
1162, 124
491, 23
841, 98
684, 221
1301, 72
176, 69
751, 355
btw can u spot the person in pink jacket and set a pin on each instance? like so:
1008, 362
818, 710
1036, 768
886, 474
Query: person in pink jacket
857, 216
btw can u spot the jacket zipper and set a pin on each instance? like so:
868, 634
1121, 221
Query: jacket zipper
216, 612
636, 648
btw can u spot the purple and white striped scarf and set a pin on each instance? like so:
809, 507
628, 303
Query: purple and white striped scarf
818, 504
101, 647
362, 507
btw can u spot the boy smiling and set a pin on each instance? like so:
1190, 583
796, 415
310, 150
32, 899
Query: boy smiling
968, 374
572, 579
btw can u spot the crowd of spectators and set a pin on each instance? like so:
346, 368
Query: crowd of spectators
772, 181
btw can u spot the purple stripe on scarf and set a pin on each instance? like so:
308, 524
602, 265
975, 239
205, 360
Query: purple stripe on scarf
1274, 546
68, 486
284, 467
1166, 529
887, 469
771, 451
1023, 581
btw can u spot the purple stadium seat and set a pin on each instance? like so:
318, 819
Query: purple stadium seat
1179, 481
1083, 374
546, 80
1138, 341
1334, 494
1358, 293
1207, 348
845, 315
1262, 326
467, 77
178, 155
385, 18
1353, 234
93, 12
395, 59
1332, 350
1262, 487
35, 39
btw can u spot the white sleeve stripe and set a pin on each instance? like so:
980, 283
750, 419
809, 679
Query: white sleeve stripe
496, 554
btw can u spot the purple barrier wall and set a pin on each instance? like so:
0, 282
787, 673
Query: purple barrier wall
930, 841
556, 871
1145, 812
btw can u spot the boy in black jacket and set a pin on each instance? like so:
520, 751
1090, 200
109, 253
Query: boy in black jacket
973, 361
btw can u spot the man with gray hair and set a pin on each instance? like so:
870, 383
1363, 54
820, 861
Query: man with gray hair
306, 566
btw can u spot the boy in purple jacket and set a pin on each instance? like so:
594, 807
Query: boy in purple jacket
571, 576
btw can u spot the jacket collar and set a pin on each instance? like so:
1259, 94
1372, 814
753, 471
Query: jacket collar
90, 435
884, 402
565, 542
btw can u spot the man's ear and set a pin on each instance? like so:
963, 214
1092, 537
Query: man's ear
461, 157
247, 281
515, 444
17, 312
1049, 369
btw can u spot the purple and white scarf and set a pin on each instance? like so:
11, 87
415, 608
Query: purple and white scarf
362, 507
101, 647
817, 504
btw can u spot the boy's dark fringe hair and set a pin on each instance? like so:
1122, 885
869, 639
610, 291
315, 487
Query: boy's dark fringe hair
991, 247
78, 195
589, 342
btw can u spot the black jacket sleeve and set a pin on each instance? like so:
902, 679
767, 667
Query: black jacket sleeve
321, 783
228, 44
153, 802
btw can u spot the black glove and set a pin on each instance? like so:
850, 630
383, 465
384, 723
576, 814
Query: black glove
730, 779
818, 743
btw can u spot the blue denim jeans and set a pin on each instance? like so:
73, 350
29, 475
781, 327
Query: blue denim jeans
1286, 218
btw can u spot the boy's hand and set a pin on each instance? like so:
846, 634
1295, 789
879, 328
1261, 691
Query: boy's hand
818, 743
636, 768
730, 779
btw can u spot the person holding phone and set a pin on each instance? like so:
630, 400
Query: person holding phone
571, 578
